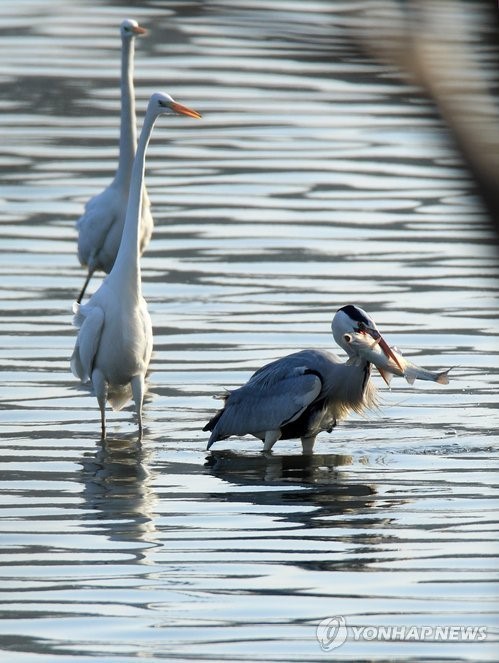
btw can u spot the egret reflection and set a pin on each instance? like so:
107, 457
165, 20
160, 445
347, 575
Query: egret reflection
118, 488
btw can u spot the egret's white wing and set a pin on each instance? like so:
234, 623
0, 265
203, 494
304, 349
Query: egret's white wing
94, 225
87, 343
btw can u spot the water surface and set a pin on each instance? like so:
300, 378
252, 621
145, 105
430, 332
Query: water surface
316, 178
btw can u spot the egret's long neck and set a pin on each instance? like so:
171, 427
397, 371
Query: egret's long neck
127, 265
128, 123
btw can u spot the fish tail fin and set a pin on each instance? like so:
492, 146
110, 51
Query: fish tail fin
414, 372
443, 377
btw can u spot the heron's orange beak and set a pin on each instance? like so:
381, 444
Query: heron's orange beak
137, 30
389, 352
184, 110
384, 346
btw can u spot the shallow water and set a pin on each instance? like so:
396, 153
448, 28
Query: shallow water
316, 178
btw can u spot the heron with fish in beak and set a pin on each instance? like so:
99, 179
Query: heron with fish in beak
307, 392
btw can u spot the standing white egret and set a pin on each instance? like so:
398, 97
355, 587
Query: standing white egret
307, 392
114, 344
101, 226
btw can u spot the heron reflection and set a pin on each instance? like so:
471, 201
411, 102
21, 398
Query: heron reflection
307, 481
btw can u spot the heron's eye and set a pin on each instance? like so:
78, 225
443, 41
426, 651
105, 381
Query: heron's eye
361, 327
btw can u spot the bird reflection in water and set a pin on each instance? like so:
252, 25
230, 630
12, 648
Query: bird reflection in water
319, 493
313, 480
118, 487
318, 469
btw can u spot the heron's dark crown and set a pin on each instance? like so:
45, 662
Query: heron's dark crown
356, 313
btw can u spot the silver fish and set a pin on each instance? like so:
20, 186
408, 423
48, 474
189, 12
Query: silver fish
389, 361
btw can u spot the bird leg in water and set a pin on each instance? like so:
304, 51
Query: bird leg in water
137, 383
307, 444
100, 388
87, 281
102, 423
271, 437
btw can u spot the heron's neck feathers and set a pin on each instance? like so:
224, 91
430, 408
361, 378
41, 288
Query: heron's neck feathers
351, 389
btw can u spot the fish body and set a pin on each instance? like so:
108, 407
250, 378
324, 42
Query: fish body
368, 349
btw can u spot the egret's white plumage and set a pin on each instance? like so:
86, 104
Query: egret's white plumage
101, 226
300, 395
114, 343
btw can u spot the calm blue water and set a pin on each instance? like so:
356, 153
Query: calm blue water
316, 178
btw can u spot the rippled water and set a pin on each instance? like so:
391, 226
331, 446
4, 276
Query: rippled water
316, 178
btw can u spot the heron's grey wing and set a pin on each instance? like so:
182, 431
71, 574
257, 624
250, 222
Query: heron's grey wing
315, 361
267, 405
87, 342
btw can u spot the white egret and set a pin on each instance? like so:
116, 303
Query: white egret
101, 226
114, 342
307, 392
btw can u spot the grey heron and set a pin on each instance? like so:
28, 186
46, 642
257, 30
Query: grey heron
304, 393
